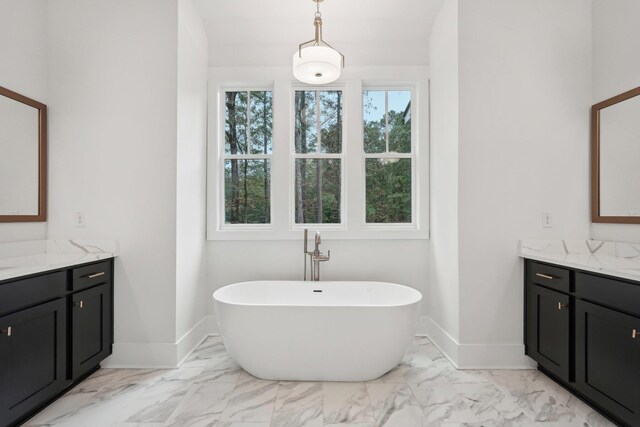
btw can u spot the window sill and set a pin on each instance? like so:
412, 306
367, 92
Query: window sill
363, 234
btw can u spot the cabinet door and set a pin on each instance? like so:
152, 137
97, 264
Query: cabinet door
608, 359
90, 328
548, 339
32, 358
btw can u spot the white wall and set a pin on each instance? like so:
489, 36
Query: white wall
113, 116
524, 149
616, 69
443, 292
524, 93
23, 69
191, 285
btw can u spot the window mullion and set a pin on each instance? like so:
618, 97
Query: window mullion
318, 132
248, 130
386, 120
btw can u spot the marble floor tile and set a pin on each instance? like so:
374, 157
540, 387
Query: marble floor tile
349, 425
241, 424
125, 376
490, 405
394, 405
202, 406
346, 403
157, 401
61, 408
137, 425
221, 368
298, 404
252, 400
534, 393
110, 405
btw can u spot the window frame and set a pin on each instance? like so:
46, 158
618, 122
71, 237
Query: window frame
413, 155
293, 156
223, 157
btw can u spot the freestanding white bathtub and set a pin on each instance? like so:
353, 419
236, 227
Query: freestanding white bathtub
317, 331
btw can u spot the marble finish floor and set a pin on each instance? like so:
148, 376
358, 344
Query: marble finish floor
209, 389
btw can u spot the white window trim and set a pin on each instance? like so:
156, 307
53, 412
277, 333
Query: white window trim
415, 147
293, 156
279, 80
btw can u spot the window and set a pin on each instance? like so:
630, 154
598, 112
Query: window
389, 156
318, 155
248, 142
349, 159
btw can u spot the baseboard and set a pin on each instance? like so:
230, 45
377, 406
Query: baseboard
160, 355
474, 356
192, 339
447, 345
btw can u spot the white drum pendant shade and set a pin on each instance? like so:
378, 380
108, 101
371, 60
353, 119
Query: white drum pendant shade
317, 65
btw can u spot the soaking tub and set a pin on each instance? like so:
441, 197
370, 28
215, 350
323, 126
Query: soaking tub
317, 331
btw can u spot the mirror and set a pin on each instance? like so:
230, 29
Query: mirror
615, 156
23, 158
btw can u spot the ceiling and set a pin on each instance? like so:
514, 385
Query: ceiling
267, 32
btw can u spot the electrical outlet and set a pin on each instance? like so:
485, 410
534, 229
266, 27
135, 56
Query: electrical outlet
80, 220
547, 219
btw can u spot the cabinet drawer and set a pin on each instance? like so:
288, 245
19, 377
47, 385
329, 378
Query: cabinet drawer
610, 292
34, 290
91, 275
549, 276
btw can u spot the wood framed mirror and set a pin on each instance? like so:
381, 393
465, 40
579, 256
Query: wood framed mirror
23, 158
615, 159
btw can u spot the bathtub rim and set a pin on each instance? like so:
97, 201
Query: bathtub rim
416, 295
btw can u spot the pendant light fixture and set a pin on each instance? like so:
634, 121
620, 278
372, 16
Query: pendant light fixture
315, 61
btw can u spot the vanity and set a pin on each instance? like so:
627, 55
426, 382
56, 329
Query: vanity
582, 320
56, 320
582, 297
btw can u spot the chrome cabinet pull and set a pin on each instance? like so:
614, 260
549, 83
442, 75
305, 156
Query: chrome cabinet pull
80, 304
633, 334
561, 306
7, 331
545, 276
94, 275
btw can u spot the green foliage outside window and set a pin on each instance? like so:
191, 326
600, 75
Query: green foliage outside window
248, 130
387, 130
318, 131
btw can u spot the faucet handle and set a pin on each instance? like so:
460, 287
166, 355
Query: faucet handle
321, 257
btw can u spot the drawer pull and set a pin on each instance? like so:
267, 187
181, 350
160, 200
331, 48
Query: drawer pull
545, 276
633, 334
7, 331
94, 275
561, 306
80, 304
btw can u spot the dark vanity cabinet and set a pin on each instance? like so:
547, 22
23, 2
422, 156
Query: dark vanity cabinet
55, 328
583, 329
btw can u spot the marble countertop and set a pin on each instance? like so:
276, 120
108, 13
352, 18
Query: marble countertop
616, 259
24, 258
